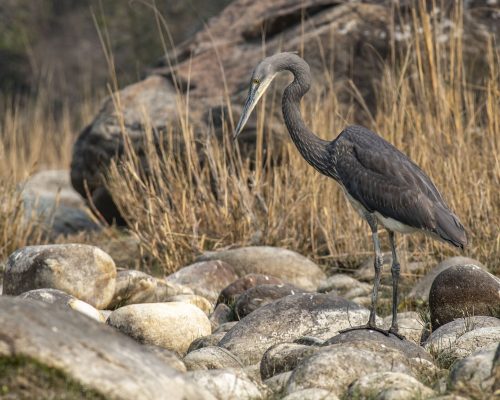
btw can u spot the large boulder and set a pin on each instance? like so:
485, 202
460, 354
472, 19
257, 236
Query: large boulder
348, 41
171, 325
290, 318
37, 339
461, 291
281, 263
86, 272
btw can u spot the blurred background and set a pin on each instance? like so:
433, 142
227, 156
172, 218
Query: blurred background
56, 42
85, 81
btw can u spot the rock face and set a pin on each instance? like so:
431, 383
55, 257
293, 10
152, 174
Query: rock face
64, 300
83, 271
389, 386
170, 325
206, 278
290, 318
261, 295
462, 291
230, 293
285, 264
55, 338
422, 288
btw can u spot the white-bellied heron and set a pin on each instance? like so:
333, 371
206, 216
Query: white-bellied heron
383, 185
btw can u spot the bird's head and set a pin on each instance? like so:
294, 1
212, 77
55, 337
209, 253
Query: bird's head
262, 77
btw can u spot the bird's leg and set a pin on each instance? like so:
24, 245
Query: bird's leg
372, 221
395, 269
378, 267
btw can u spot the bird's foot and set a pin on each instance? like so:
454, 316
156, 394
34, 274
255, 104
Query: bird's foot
394, 332
373, 327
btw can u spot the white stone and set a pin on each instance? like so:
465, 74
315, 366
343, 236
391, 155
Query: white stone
171, 325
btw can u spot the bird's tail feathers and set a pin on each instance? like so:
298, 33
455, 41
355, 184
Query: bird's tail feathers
449, 228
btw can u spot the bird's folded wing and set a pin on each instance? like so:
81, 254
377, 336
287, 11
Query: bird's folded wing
385, 182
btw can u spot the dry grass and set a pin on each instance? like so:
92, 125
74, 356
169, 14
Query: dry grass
428, 105
33, 136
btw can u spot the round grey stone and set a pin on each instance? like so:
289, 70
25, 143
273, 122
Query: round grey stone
289, 318
462, 291
83, 271
211, 357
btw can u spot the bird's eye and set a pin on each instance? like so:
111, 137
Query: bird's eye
255, 81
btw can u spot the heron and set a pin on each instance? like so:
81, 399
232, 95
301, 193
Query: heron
383, 185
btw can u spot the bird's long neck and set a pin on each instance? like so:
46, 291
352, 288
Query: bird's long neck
310, 146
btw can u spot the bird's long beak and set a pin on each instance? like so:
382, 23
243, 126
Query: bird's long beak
254, 94
250, 103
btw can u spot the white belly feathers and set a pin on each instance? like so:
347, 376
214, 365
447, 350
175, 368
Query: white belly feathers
388, 223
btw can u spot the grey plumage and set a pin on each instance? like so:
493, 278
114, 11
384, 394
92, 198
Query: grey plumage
386, 181
382, 183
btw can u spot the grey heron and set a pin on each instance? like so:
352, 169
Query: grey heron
384, 186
